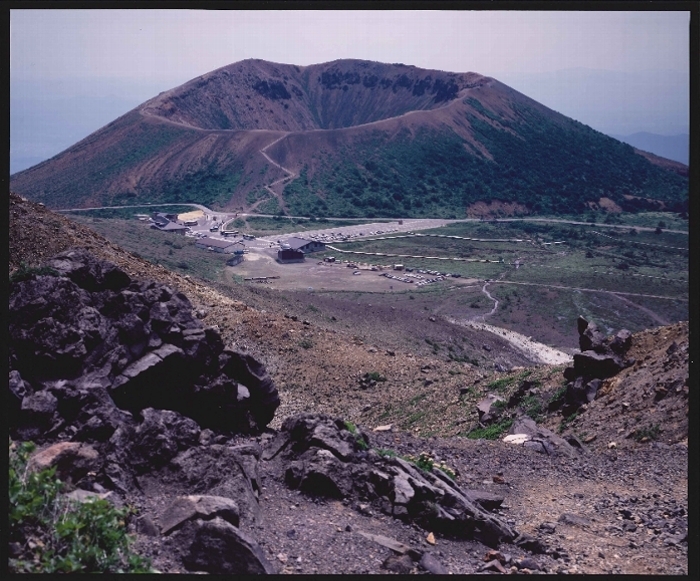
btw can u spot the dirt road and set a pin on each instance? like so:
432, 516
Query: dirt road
534, 350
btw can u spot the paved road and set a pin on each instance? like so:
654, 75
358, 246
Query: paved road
596, 224
590, 290
199, 206
413, 223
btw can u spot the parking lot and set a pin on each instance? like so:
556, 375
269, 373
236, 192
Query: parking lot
315, 274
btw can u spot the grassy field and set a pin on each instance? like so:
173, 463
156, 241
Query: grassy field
670, 220
177, 253
543, 275
553, 274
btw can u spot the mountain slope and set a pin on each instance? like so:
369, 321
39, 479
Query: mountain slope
347, 138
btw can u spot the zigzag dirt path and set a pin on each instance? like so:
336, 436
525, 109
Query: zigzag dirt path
290, 174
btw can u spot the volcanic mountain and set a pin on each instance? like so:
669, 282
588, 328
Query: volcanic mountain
351, 138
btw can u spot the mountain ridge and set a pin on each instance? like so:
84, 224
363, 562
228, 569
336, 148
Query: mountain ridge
201, 141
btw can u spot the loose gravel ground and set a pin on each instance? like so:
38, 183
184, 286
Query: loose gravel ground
619, 512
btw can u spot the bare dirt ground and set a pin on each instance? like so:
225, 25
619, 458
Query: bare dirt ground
537, 351
598, 514
316, 274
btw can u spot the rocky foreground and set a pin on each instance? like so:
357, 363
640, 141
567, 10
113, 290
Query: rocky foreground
133, 398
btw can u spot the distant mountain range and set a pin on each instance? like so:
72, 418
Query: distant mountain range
351, 138
675, 147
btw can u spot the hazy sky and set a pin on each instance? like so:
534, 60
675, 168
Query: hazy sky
73, 71
188, 43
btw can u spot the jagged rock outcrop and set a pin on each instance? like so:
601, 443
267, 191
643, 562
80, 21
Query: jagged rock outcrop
133, 387
327, 457
90, 349
601, 357
539, 438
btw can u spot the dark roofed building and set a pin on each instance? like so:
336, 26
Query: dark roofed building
303, 245
160, 218
287, 255
172, 227
225, 246
236, 259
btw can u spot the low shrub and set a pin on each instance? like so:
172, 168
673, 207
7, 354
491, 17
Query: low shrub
566, 421
492, 432
359, 439
25, 272
648, 433
532, 406
386, 453
52, 534
426, 463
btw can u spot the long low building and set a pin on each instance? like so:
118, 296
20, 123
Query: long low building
302, 244
171, 227
224, 246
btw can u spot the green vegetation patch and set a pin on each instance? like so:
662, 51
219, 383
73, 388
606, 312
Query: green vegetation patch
567, 421
503, 383
359, 438
210, 185
492, 432
25, 272
533, 407
647, 433
426, 463
129, 213
175, 252
66, 536
437, 174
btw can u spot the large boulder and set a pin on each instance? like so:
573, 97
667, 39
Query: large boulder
600, 358
216, 546
326, 457
580, 392
590, 337
218, 470
72, 460
192, 507
540, 438
489, 409
137, 344
592, 365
